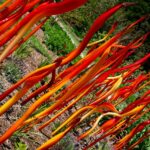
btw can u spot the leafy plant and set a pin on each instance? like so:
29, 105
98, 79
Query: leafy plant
20, 146
56, 39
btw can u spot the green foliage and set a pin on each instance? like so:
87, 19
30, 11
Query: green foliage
2, 1
56, 39
20, 146
132, 98
12, 72
56, 125
146, 143
40, 109
19, 134
76, 60
35, 43
66, 143
137, 10
23, 51
44, 63
133, 13
82, 18
100, 146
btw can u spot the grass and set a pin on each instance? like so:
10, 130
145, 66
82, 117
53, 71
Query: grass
26, 49
35, 43
12, 72
56, 39
23, 51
